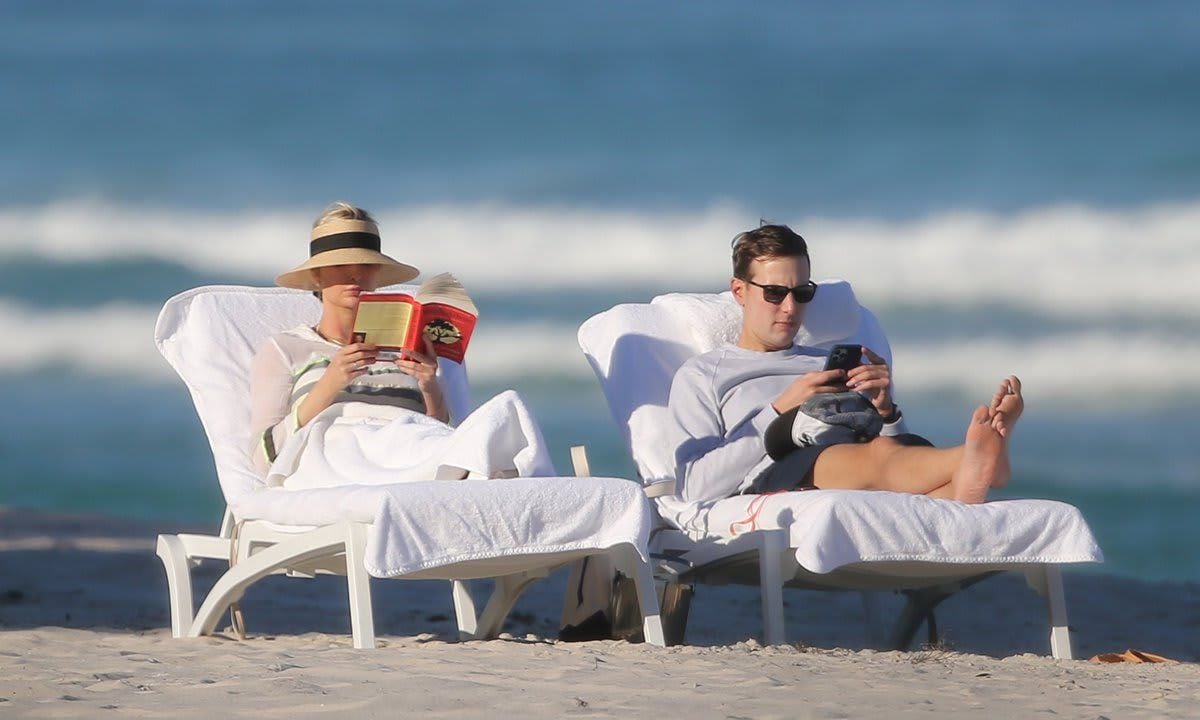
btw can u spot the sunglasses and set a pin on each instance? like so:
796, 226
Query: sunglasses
775, 294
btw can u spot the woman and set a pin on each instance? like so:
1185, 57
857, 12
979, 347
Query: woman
326, 411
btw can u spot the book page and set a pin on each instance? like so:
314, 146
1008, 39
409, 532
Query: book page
384, 320
447, 290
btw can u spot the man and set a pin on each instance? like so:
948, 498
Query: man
723, 402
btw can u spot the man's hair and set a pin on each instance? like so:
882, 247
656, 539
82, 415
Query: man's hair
766, 241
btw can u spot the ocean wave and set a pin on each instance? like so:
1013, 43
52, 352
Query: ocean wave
118, 340
1061, 261
1069, 368
114, 339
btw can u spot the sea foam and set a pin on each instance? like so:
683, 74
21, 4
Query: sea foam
1069, 368
1064, 261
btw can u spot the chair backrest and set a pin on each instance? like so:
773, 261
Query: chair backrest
209, 335
635, 350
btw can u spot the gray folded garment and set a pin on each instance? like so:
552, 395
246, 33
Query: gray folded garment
824, 419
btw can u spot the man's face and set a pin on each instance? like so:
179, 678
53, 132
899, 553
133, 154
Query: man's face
767, 327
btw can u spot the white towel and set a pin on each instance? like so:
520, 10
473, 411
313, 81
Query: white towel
423, 528
469, 528
364, 444
833, 528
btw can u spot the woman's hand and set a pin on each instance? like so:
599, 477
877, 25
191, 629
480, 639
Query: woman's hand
423, 367
874, 380
349, 362
807, 385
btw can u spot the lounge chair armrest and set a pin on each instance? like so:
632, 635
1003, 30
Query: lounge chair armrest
579, 461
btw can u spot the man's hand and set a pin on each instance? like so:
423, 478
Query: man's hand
807, 385
875, 381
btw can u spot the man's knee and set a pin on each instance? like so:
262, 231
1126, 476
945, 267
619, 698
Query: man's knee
882, 449
855, 465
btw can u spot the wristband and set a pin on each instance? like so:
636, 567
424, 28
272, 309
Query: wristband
894, 417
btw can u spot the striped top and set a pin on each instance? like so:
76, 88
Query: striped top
285, 370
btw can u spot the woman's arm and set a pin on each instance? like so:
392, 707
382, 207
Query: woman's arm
423, 367
350, 362
270, 393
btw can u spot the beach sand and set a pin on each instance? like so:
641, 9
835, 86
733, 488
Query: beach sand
84, 630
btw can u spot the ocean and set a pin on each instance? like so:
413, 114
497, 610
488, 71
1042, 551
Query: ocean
1011, 188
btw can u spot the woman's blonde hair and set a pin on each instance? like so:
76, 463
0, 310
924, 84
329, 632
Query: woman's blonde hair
341, 210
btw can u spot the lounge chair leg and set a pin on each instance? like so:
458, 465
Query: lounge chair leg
362, 617
227, 523
464, 610
179, 582
770, 556
918, 608
674, 606
870, 603
230, 586
631, 564
508, 588
1047, 581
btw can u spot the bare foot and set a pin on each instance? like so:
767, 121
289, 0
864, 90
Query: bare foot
1005, 409
984, 460
1007, 405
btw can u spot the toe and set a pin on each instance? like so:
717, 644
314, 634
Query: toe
1000, 424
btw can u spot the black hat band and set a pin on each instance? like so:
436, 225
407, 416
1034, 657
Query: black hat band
341, 241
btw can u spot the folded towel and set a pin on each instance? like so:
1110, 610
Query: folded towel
441, 529
833, 528
426, 527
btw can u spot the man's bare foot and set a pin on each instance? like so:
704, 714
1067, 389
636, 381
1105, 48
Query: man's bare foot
984, 460
1007, 405
1005, 409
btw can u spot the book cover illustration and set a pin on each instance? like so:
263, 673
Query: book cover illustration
440, 310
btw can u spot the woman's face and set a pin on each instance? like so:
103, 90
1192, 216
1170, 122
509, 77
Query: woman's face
341, 284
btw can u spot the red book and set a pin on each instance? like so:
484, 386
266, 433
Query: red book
440, 310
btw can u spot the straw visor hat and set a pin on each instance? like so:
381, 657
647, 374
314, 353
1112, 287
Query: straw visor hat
346, 242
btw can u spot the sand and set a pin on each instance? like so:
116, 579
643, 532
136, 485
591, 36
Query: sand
84, 631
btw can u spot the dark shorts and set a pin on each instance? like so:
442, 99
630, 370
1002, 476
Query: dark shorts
794, 470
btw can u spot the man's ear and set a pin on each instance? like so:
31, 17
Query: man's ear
738, 288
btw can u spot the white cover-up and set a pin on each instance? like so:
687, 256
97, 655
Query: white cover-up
437, 529
636, 349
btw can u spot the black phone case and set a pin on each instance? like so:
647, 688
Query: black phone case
844, 357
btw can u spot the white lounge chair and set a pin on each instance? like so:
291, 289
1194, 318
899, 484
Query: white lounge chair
844, 540
512, 530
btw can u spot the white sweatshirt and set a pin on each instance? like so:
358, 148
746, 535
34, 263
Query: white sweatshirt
720, 407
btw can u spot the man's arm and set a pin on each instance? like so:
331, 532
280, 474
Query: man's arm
710, 464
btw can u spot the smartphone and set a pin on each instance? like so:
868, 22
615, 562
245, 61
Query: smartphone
844, 357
